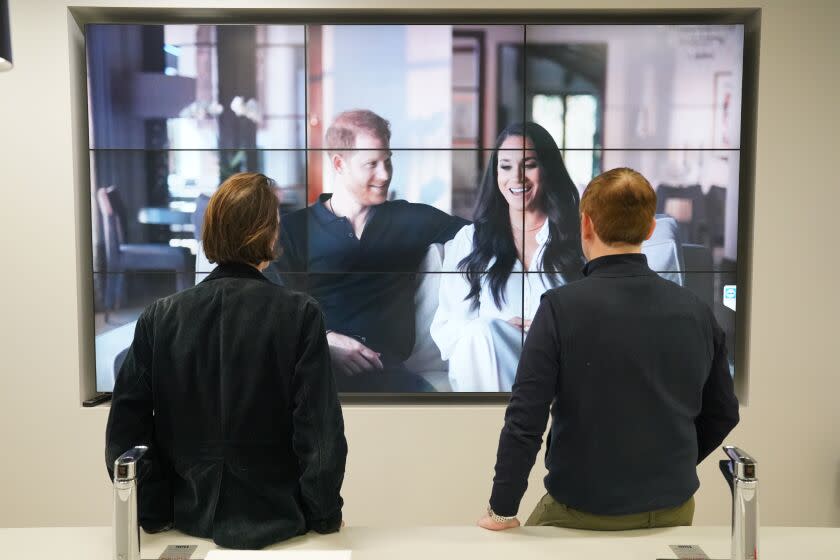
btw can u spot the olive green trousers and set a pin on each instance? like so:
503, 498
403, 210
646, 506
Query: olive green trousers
550, 513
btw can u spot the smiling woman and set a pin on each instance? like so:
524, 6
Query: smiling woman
525, 188
526, 220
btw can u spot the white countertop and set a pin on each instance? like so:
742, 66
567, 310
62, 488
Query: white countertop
443, 543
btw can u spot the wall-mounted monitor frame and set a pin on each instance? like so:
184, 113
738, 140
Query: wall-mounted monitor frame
80, 17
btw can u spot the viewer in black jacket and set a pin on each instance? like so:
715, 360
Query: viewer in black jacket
635, 371
229, 384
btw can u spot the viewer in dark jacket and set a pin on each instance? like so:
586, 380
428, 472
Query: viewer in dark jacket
229, 384
635, 371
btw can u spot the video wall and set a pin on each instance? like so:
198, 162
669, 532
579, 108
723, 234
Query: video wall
516, 114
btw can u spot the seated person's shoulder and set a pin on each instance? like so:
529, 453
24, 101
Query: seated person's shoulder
416, 209
462, 243
406, 207
465, 234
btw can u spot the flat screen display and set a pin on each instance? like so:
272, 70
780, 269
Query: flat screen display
176, 109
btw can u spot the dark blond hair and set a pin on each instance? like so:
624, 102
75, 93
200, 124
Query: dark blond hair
621, 204
341, 135
242, 221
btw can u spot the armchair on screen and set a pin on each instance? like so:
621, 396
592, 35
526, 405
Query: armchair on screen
687, 264
687, 205
716, 215
122, 257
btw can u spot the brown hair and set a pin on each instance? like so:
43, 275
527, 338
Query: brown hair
341, 135
241, 222
621, 204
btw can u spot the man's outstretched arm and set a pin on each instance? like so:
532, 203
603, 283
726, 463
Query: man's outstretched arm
527, 413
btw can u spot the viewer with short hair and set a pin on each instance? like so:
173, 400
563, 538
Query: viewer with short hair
229, 384
635, 371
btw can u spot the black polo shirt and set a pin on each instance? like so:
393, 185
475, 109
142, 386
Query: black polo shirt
365, 286
634, 368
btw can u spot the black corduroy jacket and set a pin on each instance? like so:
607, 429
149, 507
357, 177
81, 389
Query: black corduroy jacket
229, 384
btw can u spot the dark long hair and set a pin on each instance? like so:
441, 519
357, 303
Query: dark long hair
493, 236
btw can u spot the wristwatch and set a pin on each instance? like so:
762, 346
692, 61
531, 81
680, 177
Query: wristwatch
498, 518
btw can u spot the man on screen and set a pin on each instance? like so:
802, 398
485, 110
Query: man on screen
635, 371
358, 253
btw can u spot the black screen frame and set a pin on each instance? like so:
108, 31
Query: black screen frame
750, 18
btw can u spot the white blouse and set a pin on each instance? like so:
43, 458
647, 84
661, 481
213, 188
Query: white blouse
522, 291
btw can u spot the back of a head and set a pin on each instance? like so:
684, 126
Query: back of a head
242, 221
341, 135
621, 204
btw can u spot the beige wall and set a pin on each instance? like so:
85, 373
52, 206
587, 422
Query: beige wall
427, 465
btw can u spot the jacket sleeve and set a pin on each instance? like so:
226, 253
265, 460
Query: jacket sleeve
719, 412
318, 438
527, 413
131, 422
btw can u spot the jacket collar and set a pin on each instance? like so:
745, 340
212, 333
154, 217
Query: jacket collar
235, 270
625, 264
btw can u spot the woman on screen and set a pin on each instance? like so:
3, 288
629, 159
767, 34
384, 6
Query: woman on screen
229, 385
524, 240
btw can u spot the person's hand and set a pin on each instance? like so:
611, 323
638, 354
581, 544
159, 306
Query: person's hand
488, 523
520, 323
349, 356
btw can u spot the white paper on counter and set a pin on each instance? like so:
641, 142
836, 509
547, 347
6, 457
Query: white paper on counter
278, 555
